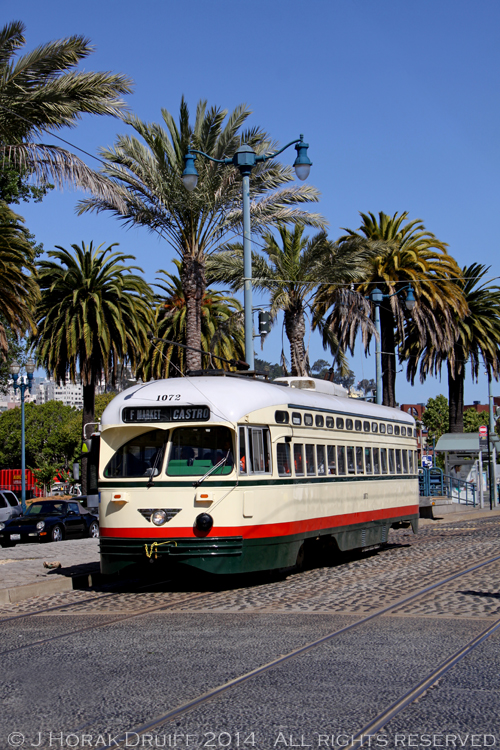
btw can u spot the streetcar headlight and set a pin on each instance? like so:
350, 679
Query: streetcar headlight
159, 517
40, 526
204, 522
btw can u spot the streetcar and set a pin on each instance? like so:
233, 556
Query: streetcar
230, 474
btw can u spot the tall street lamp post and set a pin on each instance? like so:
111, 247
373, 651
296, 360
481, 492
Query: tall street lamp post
245, 160
21, 386
377, 297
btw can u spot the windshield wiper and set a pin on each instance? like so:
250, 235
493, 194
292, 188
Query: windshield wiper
153, 468
211, 471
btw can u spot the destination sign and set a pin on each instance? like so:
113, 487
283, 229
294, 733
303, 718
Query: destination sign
166, 414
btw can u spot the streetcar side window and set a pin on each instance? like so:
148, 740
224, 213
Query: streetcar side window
349, 424
196, 450
396, 429
374, 426
298, 459
368, 461
243, 451
389, 429
409, 431
283, 459
360, 469
319, 420
391, 461
320, 457
366, 427
351, 469
340, 423
399, 466
260, 454
357, 425
382, 429
383, 460
329, 423
405, 462
308, 420
410, 459
341, 459
310, 460
296, 418
376, 461
403, 431
332, 466
142, 456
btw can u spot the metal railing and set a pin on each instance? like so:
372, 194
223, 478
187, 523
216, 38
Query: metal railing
434, 483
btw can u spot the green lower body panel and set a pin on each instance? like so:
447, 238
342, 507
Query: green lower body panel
236, 555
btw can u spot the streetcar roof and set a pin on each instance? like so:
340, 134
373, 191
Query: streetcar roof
231, 399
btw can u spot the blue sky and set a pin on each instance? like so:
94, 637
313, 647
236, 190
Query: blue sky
398, 101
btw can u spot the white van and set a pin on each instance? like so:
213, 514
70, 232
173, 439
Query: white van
10, 507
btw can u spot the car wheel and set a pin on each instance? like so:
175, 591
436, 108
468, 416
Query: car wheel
56, 534
94, 530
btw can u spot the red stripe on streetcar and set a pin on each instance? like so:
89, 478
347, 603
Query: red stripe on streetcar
262, 531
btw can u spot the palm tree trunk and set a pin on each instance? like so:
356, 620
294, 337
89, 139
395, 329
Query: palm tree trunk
193, 285
88, 416
388, 346
295, 330
456, 376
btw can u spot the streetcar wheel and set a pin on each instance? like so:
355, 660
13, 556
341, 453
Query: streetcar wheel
94, 530
56, 534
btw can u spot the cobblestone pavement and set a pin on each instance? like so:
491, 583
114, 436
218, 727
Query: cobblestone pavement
114, 678
355, 585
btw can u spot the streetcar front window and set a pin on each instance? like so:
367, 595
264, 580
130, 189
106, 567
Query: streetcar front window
196, 450
140, 457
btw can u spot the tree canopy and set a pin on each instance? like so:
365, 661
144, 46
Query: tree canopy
143, 173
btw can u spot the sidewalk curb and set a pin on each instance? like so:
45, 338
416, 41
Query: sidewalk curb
38, 588
54, 585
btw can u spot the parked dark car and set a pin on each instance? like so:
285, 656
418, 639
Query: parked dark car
49, 521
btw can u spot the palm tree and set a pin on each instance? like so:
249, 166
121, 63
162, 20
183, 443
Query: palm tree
291, 271
18, 287
94, 312
41, 91
397, 254
477, 340
222, 332
144, 173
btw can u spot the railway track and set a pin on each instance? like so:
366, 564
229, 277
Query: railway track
274, 664
361, 737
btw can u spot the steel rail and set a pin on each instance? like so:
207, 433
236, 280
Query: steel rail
220, 689
78, 603
121, 618
395, 708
